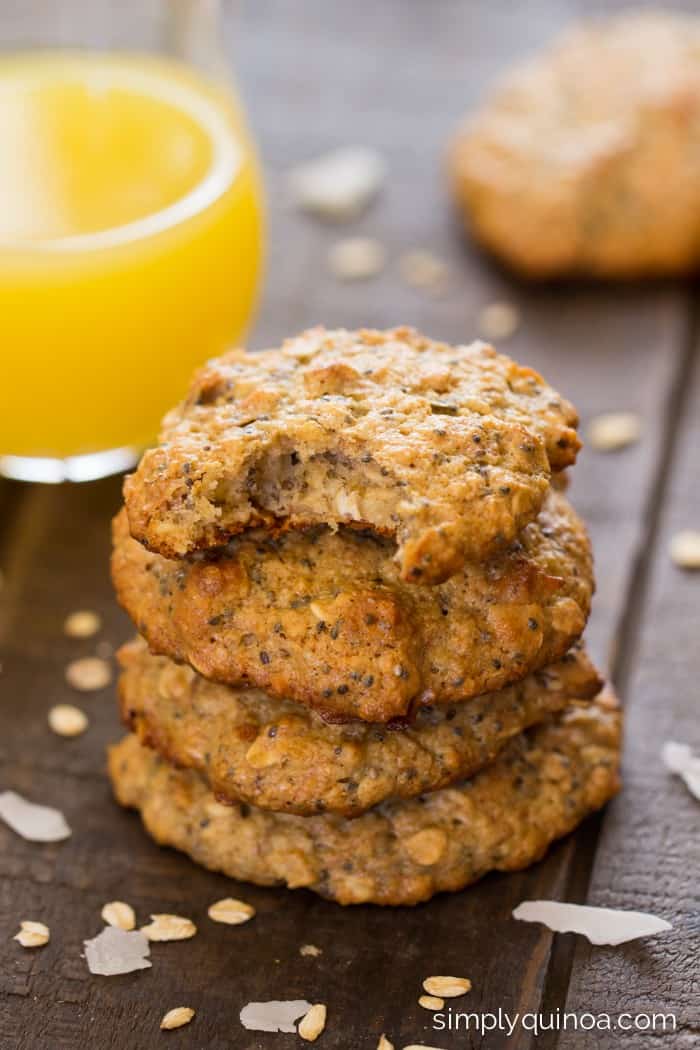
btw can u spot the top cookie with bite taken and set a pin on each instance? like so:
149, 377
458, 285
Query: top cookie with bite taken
446, 449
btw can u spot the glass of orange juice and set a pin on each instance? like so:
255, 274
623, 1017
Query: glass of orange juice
130, 226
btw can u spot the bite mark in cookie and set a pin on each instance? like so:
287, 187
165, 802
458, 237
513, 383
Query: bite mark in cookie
446, 450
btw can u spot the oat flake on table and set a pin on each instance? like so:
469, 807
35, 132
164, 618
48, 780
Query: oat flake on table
357, 258
82, 624
312, 1023
685, 549
422, 269
231, 911
119, 913
164, 927
176, 1018
431, 1002
67, 720
613, 431
498, 321
447, 987
89, 674
32, 934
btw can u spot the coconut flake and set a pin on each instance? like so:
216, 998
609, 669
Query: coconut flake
33, 822
340, 184
679, 759
275, 1016
599, 925
117, 951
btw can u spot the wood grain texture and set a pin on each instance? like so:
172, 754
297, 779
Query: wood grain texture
396, 75
649, 852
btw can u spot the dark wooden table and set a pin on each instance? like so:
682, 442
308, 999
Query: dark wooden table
396, 75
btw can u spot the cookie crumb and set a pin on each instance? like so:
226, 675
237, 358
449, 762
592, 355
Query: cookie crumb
82, 624
120, 914
357, 258
685, 549
89, 674
169, 928
498, 321
230, 911
431, 1002
614, 430
313, 1023
176, 1018
310, 949
67, 720
447, 987
32, 934
422, 269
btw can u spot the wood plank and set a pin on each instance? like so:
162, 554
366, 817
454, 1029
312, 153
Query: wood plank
315, 76
649, 854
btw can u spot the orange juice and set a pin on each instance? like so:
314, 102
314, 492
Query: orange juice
130, 244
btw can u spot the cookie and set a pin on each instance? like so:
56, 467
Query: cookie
447, 450
585, 160
280, 756
539, 788
323, 618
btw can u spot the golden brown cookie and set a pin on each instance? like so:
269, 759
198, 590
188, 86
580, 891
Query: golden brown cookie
282, 757
325, 619
447, 450
539, 788
586, 160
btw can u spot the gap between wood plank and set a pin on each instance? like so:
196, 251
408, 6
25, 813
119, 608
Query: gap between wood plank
556, 982
11, 496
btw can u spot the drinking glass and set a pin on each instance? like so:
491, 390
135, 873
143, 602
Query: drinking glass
131, 225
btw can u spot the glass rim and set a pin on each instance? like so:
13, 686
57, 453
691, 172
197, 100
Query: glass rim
225, 166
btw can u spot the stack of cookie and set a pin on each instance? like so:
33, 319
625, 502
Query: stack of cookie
360, 600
